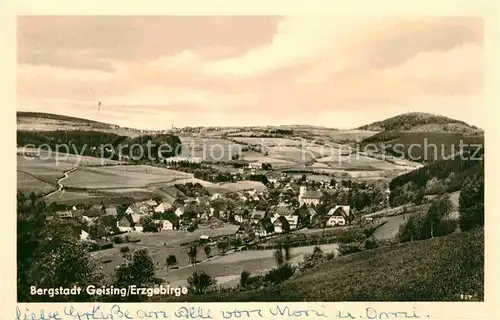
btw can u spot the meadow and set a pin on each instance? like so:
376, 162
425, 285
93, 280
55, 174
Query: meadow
120, 177
208, 149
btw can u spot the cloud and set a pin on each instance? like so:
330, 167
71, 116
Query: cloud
231, 70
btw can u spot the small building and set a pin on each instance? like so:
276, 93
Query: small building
335, 220
150, 203
343, 210
164, 224
162, 207
245, 230
309, 197
125, 224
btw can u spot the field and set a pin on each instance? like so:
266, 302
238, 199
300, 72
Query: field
438, 269
243, 185
120, 177
208, 149
268, 142
226, 269
27, 184
351, 135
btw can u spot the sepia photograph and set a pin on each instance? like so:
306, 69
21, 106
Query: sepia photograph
250, 158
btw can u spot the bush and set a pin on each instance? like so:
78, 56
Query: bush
312, 259
349, 248
244, 279
117, 240
124, 250
280, 274
446, 226
371, 243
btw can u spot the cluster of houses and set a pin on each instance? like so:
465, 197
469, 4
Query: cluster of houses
251, 209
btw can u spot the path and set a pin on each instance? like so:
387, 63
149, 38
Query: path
60, 180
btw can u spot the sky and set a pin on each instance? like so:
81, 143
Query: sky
341, 72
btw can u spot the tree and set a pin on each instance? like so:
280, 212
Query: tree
471, 203
284, 268
244, 279
199, 282
439, 208
137, 269
148, 224
207, 250
222, 246
171, 260
125, 250
410, 230
48, 253
192, 254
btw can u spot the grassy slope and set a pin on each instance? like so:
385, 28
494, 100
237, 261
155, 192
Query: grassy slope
438, 269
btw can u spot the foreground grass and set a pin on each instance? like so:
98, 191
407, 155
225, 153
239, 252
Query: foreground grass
439, 269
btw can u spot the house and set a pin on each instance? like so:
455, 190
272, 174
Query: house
179, 212
134, 209
150, 203
92, 214
136, 222
162, 207
264, 227
84, 235
245, 230
278, 224
255, 165
343, 210
164, 224
310, 197
256, 215
125, 224
336, 220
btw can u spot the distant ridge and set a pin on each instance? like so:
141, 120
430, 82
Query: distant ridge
421, 122
51, 116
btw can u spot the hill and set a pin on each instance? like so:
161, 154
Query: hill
24, 115
421, 122
438, 269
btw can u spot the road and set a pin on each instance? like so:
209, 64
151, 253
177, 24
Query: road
60, 180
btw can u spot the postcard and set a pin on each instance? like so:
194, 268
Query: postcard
321, 165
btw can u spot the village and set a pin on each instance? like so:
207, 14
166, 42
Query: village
288, 204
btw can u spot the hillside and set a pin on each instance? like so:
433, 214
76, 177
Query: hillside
438, 269
421, 146
421, 122
24, 115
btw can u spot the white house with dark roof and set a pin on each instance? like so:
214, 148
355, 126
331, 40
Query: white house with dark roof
164, 224
343, 210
